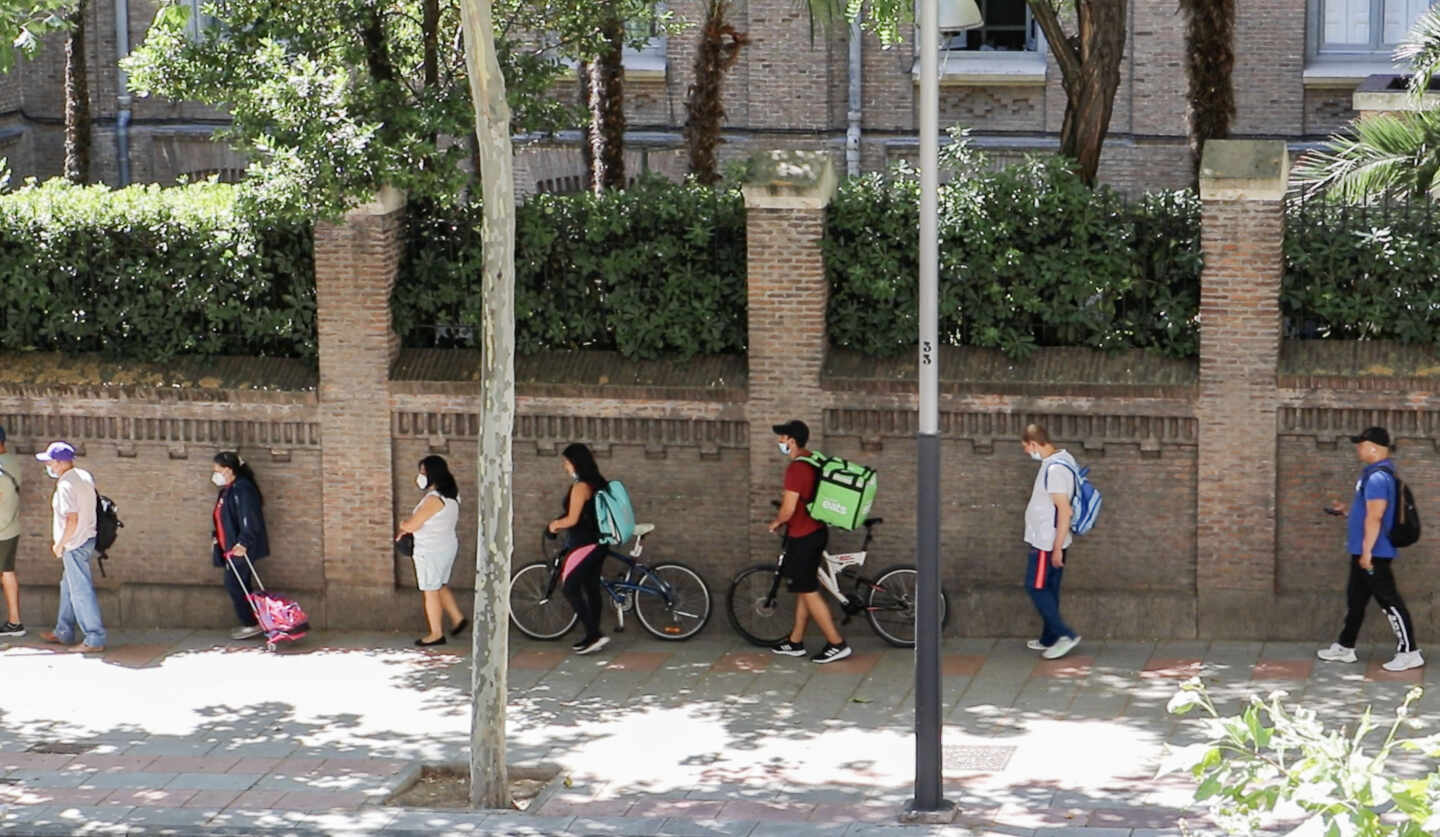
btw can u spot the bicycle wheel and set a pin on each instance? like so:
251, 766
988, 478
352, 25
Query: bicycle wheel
890, 605
673, 601
758, 609
536, 616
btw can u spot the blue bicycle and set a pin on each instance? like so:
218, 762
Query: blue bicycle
671, 600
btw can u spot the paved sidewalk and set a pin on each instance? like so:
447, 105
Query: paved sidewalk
190, 733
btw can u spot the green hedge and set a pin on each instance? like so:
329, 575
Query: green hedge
1028, 256
1362, 272
147, 274
656, 270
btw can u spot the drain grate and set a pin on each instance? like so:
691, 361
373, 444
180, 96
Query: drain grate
60, 748
978, 757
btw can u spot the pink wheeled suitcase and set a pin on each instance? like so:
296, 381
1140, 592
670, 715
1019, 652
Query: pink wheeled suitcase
280, 617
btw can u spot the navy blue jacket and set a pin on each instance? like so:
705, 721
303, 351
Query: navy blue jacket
238, 508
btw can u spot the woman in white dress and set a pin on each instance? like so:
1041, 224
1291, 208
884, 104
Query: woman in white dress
433, 525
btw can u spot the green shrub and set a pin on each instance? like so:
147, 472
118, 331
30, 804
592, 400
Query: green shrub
1270, 755
1362, 272
1028, 256
146, 274
658, 269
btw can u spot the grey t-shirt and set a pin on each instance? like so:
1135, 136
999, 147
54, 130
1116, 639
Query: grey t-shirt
10, 483
1052, 478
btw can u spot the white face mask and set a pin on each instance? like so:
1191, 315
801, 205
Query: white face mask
421, 481
1037, 456
218, 478
785, 448
50, 472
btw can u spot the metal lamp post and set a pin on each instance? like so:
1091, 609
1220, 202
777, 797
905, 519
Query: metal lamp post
936, 16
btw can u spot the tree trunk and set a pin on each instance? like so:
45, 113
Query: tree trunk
587, 149
607, 108
1209, 62
1090, 73
489, 780
718, 50
77, 100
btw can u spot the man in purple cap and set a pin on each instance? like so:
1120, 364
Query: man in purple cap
1371, 516
74, 543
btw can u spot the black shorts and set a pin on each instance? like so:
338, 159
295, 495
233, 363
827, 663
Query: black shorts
802, 561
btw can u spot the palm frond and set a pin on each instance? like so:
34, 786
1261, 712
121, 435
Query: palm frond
1389, 155
1421, 50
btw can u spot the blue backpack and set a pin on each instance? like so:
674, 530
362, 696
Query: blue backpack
1084, 502
614, 513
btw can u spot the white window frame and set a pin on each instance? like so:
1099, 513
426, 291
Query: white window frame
1377, 48
987, 68
649, 61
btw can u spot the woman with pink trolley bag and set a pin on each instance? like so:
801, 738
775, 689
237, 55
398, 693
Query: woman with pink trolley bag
240, 536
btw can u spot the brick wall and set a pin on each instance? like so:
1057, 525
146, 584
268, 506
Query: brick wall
355, 267
1211, 524
788, 90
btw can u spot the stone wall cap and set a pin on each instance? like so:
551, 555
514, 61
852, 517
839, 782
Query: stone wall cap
387, 200
1244, 170
790, 180
1389, 92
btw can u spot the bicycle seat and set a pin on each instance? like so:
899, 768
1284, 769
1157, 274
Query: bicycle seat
874, 521
643, 529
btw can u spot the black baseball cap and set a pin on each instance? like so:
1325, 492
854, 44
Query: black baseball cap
1378, 435
795, 429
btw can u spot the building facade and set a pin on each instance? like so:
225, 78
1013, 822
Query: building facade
1298, 63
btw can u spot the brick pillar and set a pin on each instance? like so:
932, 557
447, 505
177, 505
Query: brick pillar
1242, 184
785, 202
355, 265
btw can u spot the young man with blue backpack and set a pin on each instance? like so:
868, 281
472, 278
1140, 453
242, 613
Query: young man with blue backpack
1062, 503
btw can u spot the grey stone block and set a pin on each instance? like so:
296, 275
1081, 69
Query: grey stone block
214, 781
677, 827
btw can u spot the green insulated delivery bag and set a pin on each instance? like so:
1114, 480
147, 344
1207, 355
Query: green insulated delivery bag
844, 491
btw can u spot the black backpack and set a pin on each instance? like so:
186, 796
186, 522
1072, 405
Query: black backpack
1405, 529
107, 526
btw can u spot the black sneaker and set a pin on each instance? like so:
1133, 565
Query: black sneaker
12, 629
576, 646
788, 648
831, 653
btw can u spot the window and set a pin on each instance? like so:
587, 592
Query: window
1362, 27
199, 22
649, 60
1008, 28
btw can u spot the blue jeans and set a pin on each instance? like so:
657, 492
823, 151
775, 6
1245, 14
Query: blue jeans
78, 605
1042, 582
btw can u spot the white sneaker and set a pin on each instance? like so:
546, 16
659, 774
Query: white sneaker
595, 645
1404, 661
1037, 645
1064, 645
246, 632
1336, 653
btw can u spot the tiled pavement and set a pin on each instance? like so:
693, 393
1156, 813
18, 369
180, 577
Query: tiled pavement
191, 733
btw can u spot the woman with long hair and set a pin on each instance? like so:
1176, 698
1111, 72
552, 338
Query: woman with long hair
239, 530
584, 555
433, 525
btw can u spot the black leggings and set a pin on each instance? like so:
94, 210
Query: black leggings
1380, 585
582, 589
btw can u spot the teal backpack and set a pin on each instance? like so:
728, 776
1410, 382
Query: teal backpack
844, 491
614, 513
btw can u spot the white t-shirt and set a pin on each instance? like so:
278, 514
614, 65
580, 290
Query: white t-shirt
1040, 514
74, 494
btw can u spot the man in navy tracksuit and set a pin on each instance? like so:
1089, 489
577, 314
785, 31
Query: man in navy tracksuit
1371, 515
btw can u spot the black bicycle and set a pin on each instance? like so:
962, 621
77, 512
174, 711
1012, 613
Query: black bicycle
671, 600
764, 615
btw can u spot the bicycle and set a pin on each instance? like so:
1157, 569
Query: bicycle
670, 600
763, 617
